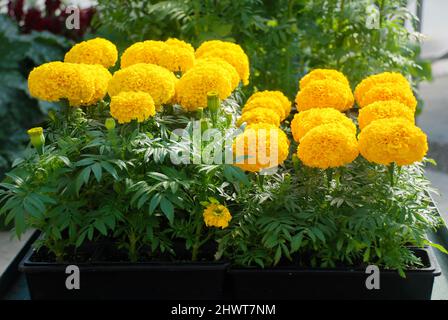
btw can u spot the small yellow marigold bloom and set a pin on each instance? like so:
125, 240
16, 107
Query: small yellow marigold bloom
275, 94
228, 51
323, 74
128, 106
54, 81
384, 110
102, 76
37, 138
150, 78
253, 149
328, 146
304, 121
235, 78
390, 91
381, 78
325, 94
95, 51
395, 140
217, 215
266, 102
259, 115
194, 85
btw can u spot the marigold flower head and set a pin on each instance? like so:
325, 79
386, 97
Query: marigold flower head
228, 51
102, 76
260, 146
266, 102
389, 91
235, 78
304, 121
95, 51
259, 115
128, 106
323, 74
217, 215
328, 146
393, 140
194, 85
150, 78
54, 81
384, 110
325, 94
142, 52
381, 78
275, 94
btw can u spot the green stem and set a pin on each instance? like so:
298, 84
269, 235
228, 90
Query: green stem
197, 243
391, 169
329, 174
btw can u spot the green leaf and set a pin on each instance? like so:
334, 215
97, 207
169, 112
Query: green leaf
296, 242
97, 171
155, 200
437, 246
167, 208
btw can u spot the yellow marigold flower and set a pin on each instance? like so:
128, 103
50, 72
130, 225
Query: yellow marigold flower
275, 94
180, 44
259, 115
381, 78
54, 81
193, 86
384, 110
304, 121
266, 102
217, 215
328, 146
102, 76
95, 51
128, 106
323, 74
155, 80
235, 78
325, 94
390, 91
396, 140
254, 150
143, 52
228, 51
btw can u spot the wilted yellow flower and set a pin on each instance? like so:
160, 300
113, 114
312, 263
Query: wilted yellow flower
275, 94
395, 140
155, 80
328, 146
304, 121
389, 91
217, 215
235, 78
325, 94
259, 115
128, 106
323, 74
266, 102
54, 81
381, 78
194, 85
228, 51
260, 146
95, 51
384, 110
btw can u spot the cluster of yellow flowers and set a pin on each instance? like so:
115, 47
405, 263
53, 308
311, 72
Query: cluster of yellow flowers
386, 119
324, 88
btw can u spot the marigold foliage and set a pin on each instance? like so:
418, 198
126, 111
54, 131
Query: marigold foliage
192, 88
389, 91
328, 146
275, 94
381, 78
128, 106
384, 110
304, 121
323, 74
266, 102
259, 115
394, 140
150, 78
235, 78
230, 52
325, 94
253, 148
217, 215
95, 51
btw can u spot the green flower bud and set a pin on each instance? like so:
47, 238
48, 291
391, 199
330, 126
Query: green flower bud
37, 138
110, 124
213, 102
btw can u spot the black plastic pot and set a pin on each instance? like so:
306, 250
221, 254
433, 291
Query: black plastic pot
124, 280
309, 284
